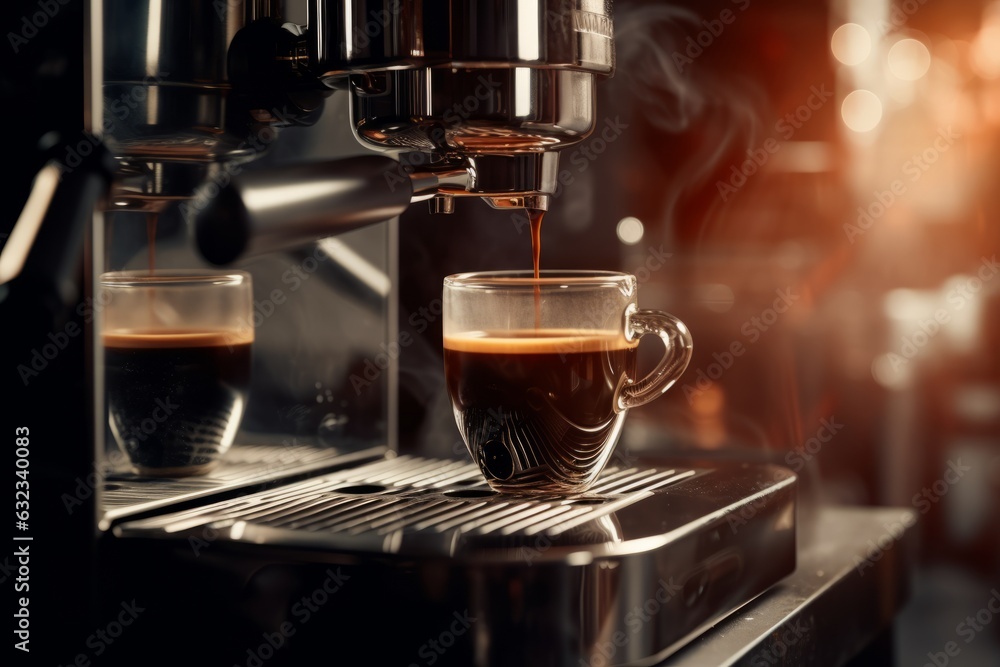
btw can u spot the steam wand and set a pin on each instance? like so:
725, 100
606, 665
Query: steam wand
264, 210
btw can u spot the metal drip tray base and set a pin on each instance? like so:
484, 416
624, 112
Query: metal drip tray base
624, 574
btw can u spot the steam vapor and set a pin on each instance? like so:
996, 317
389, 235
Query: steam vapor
675, 94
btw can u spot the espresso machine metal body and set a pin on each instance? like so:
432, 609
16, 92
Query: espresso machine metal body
317, 539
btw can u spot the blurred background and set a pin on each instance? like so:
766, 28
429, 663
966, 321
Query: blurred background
812, 188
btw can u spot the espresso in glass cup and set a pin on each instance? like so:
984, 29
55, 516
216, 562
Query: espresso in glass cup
177, 360
542, 372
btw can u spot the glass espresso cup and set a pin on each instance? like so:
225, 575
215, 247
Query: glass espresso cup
177, 365
541, 373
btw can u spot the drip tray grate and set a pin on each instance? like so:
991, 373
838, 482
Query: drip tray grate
421, 505
126, 494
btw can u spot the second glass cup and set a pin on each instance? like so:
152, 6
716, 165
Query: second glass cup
541, 373
177, 357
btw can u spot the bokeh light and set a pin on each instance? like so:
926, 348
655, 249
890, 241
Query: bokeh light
630, 230
851, 44
861, 110
909, 59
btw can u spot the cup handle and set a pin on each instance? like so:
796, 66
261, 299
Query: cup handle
677, 340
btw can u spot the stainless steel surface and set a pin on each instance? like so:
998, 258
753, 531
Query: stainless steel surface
126, 494
265, 210
153, 186
359, 35
465, 112
645, 559
165, 82
505, 125
843, 594
173, 116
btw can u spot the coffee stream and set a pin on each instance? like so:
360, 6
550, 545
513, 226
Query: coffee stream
151, 219
535, 218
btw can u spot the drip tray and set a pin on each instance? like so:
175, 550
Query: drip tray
126, 494
419, 506
624, 574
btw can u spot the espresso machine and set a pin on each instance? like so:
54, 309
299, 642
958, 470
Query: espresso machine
283, 147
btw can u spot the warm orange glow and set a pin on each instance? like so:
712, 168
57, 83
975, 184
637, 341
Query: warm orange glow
985, 54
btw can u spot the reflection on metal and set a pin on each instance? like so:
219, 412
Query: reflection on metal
126, 494
360, 268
